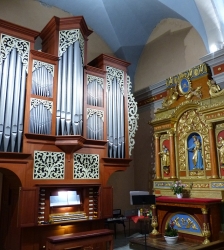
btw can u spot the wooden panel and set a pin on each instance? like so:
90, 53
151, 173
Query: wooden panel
28, 205
218, 69
106, 197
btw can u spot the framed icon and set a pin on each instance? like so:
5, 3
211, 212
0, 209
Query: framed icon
184, 86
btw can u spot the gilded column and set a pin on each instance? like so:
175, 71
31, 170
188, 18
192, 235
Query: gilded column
157, 157
205, 229
173, 174
213, 155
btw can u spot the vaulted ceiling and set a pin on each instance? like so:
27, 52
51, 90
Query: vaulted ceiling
126, 25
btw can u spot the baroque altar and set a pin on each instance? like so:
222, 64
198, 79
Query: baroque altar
189, 146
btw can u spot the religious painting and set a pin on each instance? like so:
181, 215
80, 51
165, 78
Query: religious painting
194, 151
184, 86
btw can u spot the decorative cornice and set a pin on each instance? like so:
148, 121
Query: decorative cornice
41, 55
192, 73
107, 60
165, 115
57, 23
20, 31
213, 58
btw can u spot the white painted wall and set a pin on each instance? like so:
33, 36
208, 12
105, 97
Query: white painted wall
173, 47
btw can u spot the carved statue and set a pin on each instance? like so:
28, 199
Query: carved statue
171, 97
196, 92
214, 89
197, 155
165, 155
220, 145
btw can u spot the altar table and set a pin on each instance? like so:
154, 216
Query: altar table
203, 213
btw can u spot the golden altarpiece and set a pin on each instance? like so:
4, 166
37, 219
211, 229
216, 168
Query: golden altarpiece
189, 146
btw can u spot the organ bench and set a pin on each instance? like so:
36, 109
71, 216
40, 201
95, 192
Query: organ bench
81, 240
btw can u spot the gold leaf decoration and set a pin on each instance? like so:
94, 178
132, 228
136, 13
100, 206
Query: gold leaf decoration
191, 121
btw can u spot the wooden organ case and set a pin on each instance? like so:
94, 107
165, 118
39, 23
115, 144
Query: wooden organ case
188, 131
63, 132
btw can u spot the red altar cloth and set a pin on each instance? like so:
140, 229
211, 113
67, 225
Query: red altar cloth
136, 218
186, 200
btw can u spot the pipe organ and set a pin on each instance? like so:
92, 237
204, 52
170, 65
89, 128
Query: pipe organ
13, 69
115, 111
65, 127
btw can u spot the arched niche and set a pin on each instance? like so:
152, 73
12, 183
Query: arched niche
9, 199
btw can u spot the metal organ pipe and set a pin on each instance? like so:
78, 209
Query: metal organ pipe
109, 121
63, 92
115, 119
122, 126
58, 112
1, 65
12, 94
79, 93
95, 94
75, 80
94, 117
70, 91
21, 108
40, 117
15, 108
77, 111
42, 85
42, 82
118, 123
94, 124
115, 127
3, 96
9, 99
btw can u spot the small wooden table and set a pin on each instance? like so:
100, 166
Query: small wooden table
142, 219
80, 240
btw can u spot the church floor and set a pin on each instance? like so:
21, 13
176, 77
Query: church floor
137, 242
159, 243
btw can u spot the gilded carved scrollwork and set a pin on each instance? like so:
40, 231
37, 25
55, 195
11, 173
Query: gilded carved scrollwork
198, 70
194, 92
186, 223
214, 89
171, 97
180, 85
189, 122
